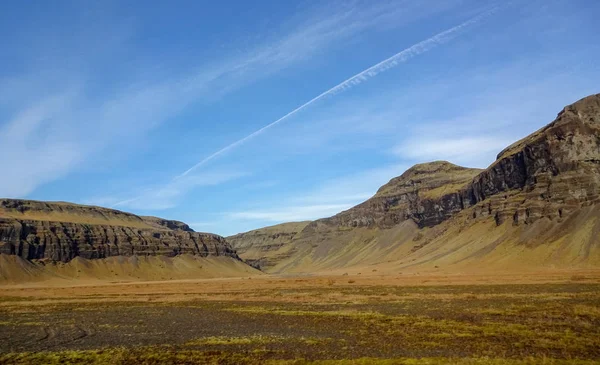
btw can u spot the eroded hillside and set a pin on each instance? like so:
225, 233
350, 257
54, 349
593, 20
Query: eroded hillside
265, 247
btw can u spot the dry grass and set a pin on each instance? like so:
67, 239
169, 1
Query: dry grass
84, 216
162, 355
223, 340
299, 320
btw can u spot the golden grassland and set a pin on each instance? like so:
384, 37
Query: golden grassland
166, 355
87, 216
549, 318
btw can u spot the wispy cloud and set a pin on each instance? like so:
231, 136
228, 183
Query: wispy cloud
460, 150
478, 122
141, 103
357, 79
470, 124
349, 188
291, 214
33, 149
168, 196
324, 200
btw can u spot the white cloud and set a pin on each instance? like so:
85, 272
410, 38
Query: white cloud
393, 61
328, 198
324, 200
352, 188
168, 196
478, 121
33, 149
85, 126
461, 150
291, 213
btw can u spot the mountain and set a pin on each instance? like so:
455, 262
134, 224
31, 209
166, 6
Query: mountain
413, 195
536, 206
49, 237
264, 247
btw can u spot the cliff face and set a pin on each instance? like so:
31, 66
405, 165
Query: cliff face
161, 223
547, 174
264, 247
63, 231
550, 173
424, 193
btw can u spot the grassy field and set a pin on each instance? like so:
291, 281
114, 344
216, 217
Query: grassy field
334, 320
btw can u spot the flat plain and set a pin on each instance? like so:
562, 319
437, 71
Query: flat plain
547, 317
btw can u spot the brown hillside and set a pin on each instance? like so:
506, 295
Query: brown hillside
15, 270
264, 247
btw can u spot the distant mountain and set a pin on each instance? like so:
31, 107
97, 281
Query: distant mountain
264, 247
535, 206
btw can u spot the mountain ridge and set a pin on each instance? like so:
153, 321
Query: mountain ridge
539, 198
59, 231
548, 176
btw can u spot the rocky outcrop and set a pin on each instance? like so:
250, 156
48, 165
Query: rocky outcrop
548, 174
63, 231
263, 247
161, 223
424, 193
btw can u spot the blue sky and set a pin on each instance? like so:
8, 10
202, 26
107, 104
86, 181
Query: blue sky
154, 107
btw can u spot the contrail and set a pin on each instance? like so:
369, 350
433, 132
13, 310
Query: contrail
360, 77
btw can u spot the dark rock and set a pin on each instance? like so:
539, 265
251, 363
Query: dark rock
547, 174
63, 231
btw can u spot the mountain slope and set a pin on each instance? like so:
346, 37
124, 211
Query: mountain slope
15, 270
264, 247
536, 205
405, 197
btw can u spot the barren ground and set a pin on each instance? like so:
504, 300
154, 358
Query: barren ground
547, 317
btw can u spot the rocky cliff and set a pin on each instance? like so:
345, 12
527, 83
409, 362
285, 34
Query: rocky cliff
62, 231
425, 193
264, 247
547, 174
549, 179
550, 173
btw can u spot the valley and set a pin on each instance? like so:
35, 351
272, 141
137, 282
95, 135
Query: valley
442, 265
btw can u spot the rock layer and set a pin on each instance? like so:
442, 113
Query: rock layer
63, 231
548, 174
424, 193
264, 247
